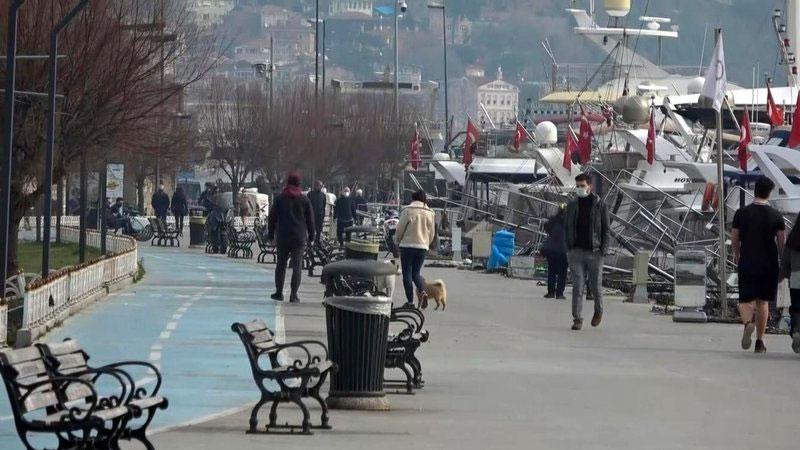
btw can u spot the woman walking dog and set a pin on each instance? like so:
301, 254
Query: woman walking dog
415, 234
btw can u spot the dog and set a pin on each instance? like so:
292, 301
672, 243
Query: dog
437, 290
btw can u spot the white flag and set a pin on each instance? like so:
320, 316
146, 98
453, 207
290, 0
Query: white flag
716, 78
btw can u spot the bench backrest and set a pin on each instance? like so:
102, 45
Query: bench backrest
156, 225
255, 336
21, 369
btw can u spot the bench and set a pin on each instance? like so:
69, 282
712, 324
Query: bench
298, 374
240, 242
163, 234
67, 407
68, 359
265, 247
402, 347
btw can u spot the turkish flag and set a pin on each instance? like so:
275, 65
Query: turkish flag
774, 111
472, 138
519, 135
416, 157
794, 136
585, 138
571, 147
651, 138
744, 139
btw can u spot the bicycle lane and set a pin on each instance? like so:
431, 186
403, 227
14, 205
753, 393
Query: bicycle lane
178, 318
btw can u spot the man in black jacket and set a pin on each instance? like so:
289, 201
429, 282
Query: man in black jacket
291, 223
319, 204
359, 204
587, 238
160, 204
343, 213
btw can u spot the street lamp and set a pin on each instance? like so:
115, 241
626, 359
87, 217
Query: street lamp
268, 72
403, 8
444, 44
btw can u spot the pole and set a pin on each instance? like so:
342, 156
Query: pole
60, 208
316, 58
396, 91
723, 257
8, 137
161, 94
446, 99
101, 211
271, 72
84, 182
324, 34
51, 131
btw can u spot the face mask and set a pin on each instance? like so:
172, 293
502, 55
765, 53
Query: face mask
324, 191
347, 194
582, 192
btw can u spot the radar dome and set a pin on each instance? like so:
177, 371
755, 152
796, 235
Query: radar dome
546, 133
636, 110
695, 86
618, 8
441, 156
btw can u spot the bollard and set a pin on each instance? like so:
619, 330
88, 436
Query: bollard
641, 261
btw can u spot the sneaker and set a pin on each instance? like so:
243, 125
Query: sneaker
596, 319
760, 347
278, 297
294, 299
796, 342
577, 324
747, 335
549, 295
560, 297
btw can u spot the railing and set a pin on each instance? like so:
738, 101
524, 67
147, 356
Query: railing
48, 301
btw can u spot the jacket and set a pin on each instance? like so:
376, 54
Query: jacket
598, 219
291, 221
556, 241
416, 228
160, 202
344, 209
179, 205
359, 203
319, 204
790, 267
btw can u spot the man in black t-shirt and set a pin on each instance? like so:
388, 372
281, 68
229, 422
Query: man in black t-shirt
757, 240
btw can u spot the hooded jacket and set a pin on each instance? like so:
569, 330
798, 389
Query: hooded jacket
417, 227
291, 220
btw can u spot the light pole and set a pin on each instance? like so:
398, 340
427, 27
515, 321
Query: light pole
444, 45
316, 57
324, 24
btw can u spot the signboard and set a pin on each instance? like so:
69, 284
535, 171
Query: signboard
690, 278
115, 175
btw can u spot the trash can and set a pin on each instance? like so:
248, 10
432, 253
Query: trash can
359, 249
358, 305
197, 233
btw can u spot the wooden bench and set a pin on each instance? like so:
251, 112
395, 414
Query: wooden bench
163, 234
68, 407
402, 347
265, 247
68, 359
240, 243
297, 372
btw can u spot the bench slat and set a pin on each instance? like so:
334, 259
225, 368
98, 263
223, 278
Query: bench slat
40, 399
12, 357
71, 361
63, 348
255, 325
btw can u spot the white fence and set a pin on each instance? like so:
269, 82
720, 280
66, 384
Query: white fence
47, 302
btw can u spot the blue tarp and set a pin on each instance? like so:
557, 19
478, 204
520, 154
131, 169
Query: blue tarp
502, 249
384, 10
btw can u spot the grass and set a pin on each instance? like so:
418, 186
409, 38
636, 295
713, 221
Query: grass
61, 255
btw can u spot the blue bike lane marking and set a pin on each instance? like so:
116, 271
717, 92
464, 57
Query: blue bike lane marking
178, 318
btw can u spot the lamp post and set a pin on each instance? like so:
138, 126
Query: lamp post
316, 57
324, 24
444, 45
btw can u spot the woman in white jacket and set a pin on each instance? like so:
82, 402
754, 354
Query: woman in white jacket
415, 234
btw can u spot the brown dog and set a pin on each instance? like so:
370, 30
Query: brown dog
437, 290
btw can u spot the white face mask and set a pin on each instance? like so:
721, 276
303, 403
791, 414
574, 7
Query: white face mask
324, 191
346, 193
582, 192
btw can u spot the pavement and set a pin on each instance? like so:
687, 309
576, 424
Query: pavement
502, 368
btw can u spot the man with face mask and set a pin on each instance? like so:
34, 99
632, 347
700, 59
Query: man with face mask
586, 230
343, 213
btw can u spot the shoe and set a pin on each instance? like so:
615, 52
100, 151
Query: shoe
596, 319
577, 324
294, 299
278, 297
760, 347
560, 297
549, 295
747, 335
796, 342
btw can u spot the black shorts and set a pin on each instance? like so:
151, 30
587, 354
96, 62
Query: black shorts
761, 285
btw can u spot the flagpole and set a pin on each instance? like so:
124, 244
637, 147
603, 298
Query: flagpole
723, 256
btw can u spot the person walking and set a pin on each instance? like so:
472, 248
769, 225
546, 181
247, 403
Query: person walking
291, 226
415, 233
586, 235
343, 213
757, 236
790, 269
319, 205
555, 250
359, 206
160, 204
180, 208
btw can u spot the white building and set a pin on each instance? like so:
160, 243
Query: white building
351, 6
501, 100
209, 12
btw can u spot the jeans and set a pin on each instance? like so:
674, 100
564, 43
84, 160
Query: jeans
794, 310
340, 234
411, 261
179, 223
284, 253
556, 273
586, 265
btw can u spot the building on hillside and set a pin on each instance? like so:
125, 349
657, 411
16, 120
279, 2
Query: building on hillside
459, 29
500, 100
293, 36
275, 16
208, 12
350, 6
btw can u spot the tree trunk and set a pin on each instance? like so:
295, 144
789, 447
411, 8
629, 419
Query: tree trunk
140, 194
235, 194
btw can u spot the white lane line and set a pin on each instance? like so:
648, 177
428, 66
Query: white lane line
177, 316
155, 356
156, 347
165, 335
171, 326
186, 305
183, 309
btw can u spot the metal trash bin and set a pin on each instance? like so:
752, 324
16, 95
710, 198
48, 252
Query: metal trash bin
197, 231
358, 305
359, 249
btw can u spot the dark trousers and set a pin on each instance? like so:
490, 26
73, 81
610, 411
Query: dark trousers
318, 223
179, 223
411, 261
285, 252
794, 310
340, 234
556, 272
162, 217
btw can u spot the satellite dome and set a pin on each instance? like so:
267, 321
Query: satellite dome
636, 110
695, 86
546, 133
441, 156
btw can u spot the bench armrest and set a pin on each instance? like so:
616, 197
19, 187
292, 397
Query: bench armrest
303, 345
138, 391
120, 376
